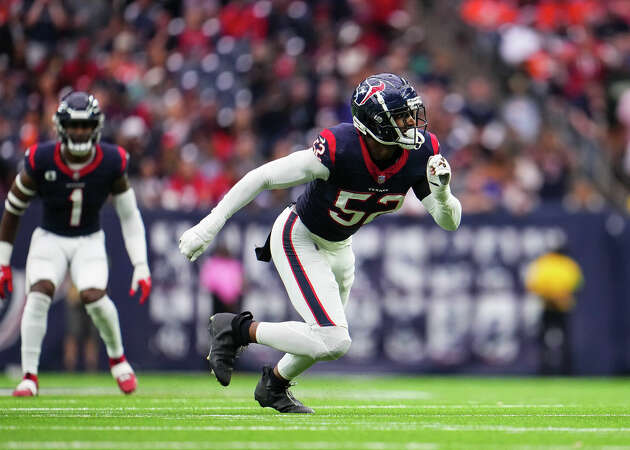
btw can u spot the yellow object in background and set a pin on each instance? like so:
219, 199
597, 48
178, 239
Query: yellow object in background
554, 277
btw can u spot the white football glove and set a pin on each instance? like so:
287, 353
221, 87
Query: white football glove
438, 172
192, 244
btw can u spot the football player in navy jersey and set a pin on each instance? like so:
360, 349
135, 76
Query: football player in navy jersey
74, 177
355, 172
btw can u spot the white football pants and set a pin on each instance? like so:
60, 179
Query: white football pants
317, 275
50, 256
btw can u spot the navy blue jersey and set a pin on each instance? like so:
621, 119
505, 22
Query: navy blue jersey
73, 199
357, 190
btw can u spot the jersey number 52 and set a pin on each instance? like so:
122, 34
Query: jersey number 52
390, 202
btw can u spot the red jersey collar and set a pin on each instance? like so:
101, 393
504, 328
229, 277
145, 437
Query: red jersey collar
381, 176
76, 174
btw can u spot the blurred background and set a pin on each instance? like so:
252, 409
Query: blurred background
530, 100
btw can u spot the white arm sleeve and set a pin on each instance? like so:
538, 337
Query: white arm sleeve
297, 168
444, 207
132, 226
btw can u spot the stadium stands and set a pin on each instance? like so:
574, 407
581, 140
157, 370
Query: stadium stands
199, 92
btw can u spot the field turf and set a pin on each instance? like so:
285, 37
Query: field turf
180, 411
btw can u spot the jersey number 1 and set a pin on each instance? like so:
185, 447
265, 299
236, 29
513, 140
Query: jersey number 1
76, 197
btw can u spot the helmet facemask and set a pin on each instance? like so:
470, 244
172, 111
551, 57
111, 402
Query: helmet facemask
80, 145
86, 116
410, 137
379, 101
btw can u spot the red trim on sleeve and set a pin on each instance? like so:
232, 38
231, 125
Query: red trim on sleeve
31, 156
332, 143
434, 143
123, 157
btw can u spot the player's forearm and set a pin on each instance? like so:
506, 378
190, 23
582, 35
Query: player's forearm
18, 199
8, 230
294, 169
236, 198
445, 208
8, 227
132, 226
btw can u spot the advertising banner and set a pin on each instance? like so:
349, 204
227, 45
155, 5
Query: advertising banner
424, 300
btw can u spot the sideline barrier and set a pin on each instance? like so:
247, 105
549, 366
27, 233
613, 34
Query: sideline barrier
424, 300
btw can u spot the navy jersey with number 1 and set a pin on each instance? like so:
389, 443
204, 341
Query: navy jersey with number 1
73, 199
357, 190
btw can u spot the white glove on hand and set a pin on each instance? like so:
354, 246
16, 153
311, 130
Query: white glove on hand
192, 244
438, 172
142, 278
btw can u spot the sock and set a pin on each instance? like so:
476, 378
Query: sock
290, 366
114, 361
105, 316
32, 377
280, 382
240, 327
33, 329
296, 338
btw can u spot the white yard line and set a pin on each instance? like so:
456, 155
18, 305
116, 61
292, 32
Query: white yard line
180, 408
399, 426
227, 407
387, 395
78, 391
511, 429
173, 428
384, 395
193, 445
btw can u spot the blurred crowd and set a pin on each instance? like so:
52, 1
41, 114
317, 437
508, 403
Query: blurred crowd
566, 60
201, 91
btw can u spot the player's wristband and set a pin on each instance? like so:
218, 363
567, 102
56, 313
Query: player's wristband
5, 253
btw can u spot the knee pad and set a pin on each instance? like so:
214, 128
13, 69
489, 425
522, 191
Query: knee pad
336, 342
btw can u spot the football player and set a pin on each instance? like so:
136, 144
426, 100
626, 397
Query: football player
355, 172
73, 176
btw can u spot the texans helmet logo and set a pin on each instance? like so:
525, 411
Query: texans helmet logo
368, 90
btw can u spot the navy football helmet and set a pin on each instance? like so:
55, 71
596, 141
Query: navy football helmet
79, 109
381, 99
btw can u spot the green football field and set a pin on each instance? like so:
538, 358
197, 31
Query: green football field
175, 411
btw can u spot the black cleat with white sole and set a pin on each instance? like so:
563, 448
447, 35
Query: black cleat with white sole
224, 344
273, 393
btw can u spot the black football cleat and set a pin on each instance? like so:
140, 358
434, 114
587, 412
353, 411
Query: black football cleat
224, 345
273, 393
